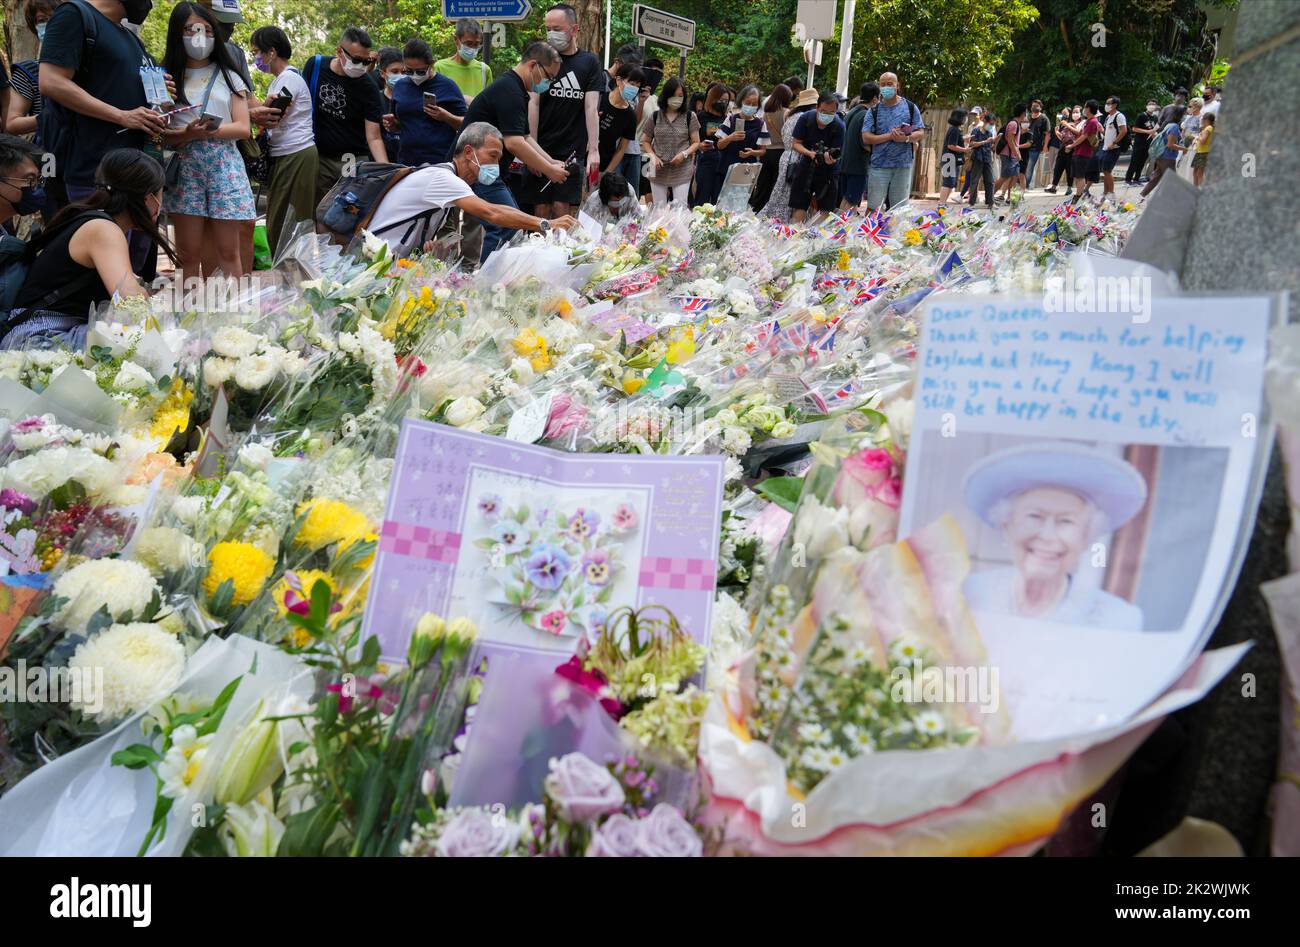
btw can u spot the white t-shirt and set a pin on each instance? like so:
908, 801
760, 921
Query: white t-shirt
196, 85
431, 188
294, 133
1212, 109
1114, 122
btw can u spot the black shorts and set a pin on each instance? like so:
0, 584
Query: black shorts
1082, 166
535, 190
1108, 159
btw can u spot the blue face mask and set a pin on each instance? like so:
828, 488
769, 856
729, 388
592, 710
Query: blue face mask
887, 91
541, 87
630, 92
487, 173
749, 111
823, 118
393, 80
468, 53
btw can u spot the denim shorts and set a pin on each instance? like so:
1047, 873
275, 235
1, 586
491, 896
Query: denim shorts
1010, 166
1107, 160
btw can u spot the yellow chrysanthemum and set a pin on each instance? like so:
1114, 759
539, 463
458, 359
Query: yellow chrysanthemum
308, 579
173, 414
245, 565
527, 342
329, 521
682, 349
912, 238
345, 544
842, 262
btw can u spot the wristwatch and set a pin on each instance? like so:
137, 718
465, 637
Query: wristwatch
543, 225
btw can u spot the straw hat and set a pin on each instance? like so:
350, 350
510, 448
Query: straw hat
806, 97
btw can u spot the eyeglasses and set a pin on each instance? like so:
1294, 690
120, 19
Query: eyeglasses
198, 30
32, 180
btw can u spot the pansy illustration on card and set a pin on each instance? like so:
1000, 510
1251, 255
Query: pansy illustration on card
540, 546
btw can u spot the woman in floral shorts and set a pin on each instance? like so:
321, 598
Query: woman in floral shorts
213, 195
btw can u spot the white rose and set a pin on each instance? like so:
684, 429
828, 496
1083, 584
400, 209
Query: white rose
463, 410
234, 342
783, 429
187, 509
256, 455
132, 377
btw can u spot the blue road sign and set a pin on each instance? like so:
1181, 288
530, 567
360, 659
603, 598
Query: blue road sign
503, 10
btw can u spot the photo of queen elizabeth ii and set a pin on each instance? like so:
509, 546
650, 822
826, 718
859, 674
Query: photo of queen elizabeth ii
1051, 503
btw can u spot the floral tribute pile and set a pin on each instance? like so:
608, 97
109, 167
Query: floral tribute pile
196, 478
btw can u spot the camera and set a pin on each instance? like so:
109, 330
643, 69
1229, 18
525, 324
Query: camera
823, 150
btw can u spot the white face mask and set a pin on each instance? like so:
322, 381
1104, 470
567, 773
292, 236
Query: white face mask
200, 46
419, 78
675, 102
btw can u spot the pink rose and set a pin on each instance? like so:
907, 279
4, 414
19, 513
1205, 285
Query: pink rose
618, 837
889, 492
860, 473
476, 833
566, 415
582, 788
665, 834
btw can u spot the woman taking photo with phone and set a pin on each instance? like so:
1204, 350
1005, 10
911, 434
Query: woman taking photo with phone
428, 106
286, 116
211, 195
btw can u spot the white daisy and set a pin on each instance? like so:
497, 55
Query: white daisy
931, 722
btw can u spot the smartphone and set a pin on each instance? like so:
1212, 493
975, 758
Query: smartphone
430, 100
212, 121
906, 128
281, 101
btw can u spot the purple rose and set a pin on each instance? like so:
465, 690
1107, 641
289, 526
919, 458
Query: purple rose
618, 837
477, 833
665, 834
582, 788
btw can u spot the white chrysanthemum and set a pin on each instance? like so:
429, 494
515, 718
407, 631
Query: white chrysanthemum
349, 343
257, 456
11, 365
35, 439
735, 440
124, 494
234, 342
38, 474
140, 663
730, 635
164, 549
217, 371
292, 364
133, 377
255, 372
120, 585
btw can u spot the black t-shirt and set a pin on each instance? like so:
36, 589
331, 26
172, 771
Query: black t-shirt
562, 116
340, 110
615, 125
1145, 122
111, 74
810, 133
958, 158
1038, 129
504, 104
710, 122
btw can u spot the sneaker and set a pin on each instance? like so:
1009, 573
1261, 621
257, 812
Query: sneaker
1050, 190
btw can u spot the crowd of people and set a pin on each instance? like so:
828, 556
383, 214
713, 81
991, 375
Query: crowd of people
425, 150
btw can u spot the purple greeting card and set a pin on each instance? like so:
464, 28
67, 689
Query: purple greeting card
537, 546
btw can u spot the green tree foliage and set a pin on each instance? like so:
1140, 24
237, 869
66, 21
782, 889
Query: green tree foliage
1142, 48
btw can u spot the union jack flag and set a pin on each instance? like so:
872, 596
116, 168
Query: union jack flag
844, 392
870, 290
693, 303
871, 229
784, 230
795, 338
685, 262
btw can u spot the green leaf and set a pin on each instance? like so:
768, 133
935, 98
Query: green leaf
218, 709
306, 833
98, 621
220, 602
370, 652
783, 491
136, 756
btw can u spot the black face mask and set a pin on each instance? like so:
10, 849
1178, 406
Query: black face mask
33, 201
137, 10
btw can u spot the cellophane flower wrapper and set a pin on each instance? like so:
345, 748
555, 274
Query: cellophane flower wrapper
81, 805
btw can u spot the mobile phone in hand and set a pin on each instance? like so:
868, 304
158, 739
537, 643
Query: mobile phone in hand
430, 100
906, 128
281, 101
213, 122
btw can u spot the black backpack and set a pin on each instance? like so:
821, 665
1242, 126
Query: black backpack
351, 204
1128, 135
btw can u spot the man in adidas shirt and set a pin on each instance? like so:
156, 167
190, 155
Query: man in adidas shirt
410, 214
564, 117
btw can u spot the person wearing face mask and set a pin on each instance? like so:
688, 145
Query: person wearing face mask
83, 257
1066, 133
23, 105
428, 129
818, 138
213, 194
981, 159
565, 118
1039, 129
415, 208
708, 182
892, 129
671, 137
292, 190
391, 69
504, 106
1143, 130
613, 200
21, 194
744, 136
618, 116
347, 109
94, 97
1114, 141
470, 73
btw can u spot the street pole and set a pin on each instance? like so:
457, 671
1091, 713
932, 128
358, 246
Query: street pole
681, 69
609, 16
846, 48
487, 42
